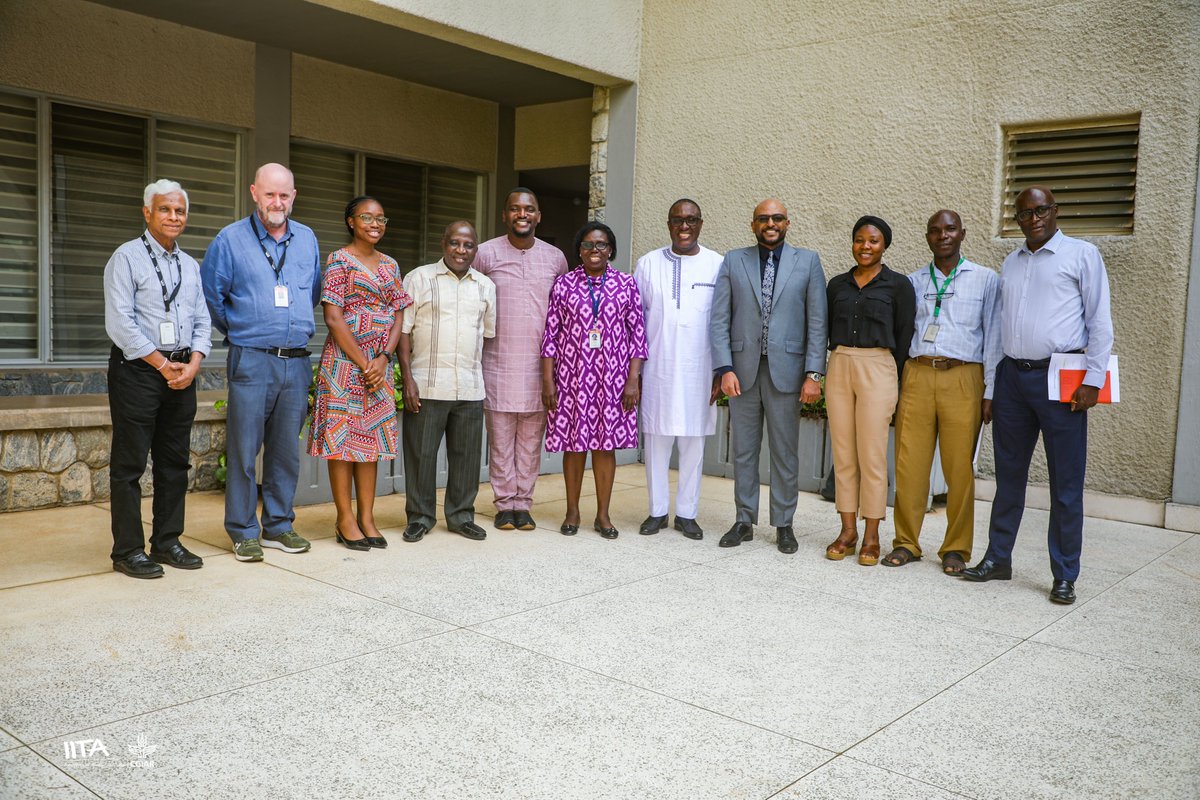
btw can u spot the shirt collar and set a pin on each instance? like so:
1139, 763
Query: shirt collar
444, 269
1052, 244
777, 252
264, 235
157, 247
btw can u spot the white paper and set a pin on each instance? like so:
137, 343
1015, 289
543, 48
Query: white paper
1061, 361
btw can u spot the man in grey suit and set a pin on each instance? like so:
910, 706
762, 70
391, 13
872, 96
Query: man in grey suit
768, 343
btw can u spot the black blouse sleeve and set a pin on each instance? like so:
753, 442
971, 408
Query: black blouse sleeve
904, 321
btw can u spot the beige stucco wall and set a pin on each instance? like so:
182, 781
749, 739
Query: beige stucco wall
390, 116
592, 41
895, 108
88, 52
553, 134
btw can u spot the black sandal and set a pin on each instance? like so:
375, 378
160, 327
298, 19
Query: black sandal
953, 564
899, 557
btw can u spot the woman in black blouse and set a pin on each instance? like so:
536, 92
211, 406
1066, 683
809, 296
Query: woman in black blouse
871, 313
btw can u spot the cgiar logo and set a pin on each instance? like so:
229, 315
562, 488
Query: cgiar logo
141, 753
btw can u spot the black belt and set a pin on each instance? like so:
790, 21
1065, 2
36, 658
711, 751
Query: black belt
181, 356
1025, 364
282, 352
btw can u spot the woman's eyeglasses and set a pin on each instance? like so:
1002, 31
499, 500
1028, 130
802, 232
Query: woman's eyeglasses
367, 219
595, 246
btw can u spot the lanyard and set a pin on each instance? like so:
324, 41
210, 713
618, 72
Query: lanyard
283, 259
167, 299
937, 306
596, 300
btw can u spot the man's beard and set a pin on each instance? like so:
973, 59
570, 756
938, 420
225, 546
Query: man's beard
273, 219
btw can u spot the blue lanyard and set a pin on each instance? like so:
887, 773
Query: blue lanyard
596, 300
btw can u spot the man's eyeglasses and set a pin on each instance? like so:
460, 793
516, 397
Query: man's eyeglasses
367, 219
679, 222
763, 219
595, 246
1041, 212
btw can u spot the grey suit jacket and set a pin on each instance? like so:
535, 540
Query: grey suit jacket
798, 334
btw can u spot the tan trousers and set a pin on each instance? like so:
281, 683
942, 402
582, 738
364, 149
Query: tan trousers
937, 404
860, 398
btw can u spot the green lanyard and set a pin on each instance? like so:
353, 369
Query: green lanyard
937, 305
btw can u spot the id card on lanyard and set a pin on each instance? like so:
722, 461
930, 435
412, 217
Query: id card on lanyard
931, 330
281, 289
595, 338
166, 328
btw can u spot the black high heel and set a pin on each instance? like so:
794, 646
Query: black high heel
354, 544
377, 542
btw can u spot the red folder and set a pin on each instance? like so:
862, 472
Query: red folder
1071, 379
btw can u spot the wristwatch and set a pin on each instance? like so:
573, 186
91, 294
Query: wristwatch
816, 376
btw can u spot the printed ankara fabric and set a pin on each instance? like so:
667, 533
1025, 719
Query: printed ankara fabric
348, 422
590, 381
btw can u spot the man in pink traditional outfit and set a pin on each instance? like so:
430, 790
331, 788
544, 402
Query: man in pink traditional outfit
523, 268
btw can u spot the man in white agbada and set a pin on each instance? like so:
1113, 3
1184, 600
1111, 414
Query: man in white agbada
676, 284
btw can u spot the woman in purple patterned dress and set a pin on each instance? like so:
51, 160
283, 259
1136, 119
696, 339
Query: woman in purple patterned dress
592, 354
354, 417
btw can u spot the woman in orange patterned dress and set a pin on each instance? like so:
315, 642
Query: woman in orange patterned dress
354, 418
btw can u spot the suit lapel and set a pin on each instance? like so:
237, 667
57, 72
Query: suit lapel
788, 256
753, 275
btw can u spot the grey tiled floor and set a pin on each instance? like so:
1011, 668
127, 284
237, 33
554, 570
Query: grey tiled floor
534, 665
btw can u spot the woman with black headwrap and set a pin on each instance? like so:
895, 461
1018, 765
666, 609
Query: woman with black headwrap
871, 313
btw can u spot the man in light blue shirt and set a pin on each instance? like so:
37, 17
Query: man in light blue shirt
1054, 299
155, 315
262, 279
946, 391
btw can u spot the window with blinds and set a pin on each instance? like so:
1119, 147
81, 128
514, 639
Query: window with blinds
18, 228
1091, 168
99, 163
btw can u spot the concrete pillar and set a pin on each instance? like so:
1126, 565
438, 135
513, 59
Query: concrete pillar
271, 140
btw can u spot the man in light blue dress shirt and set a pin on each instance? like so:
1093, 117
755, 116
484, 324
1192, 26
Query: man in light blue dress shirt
154, 313
262, 279
1054, 299
946, 391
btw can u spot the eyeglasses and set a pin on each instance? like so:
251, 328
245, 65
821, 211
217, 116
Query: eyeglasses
1040, 211
763, 219
679, 222
595, 246
367, 219
454, 244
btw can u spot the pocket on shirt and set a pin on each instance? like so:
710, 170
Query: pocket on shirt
964, 312
879, 314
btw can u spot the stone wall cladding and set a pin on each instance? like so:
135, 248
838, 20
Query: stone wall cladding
66, 467
598, 166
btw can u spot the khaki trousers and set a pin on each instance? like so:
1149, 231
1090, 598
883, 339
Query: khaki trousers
937, 404
860, 398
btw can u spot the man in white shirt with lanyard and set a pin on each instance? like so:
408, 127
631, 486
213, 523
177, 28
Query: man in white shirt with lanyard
155, 314
676, 283
945, 392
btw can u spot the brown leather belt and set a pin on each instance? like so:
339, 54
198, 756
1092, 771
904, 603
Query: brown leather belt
937, 362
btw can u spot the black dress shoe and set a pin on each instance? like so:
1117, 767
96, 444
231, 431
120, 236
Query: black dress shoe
689, 528
1063, 592
415, 532
470, 530
177, 556
740, 532
378, 542
362, 545
652, 525
568, 529
987, 570
607, 533
505, 521
524, 521
786, 540
138, 566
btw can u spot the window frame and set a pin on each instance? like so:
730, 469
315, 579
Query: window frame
45, 198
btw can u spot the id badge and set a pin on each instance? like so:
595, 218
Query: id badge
166, 333
594, 340
931, 332
281, 297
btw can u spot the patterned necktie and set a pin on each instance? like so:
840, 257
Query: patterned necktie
768, 292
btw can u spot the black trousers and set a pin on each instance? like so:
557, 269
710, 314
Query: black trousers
147, 417
461, 422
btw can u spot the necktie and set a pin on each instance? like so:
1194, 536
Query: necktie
768, 292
